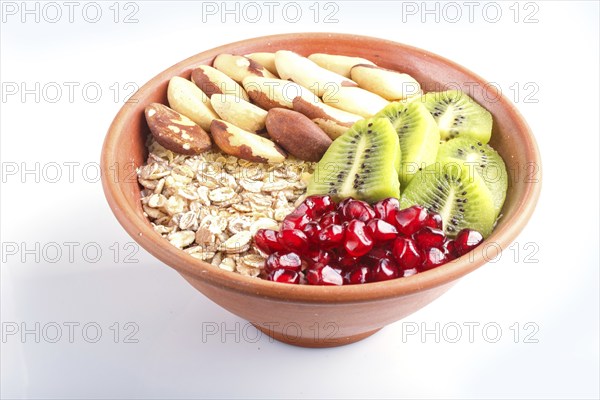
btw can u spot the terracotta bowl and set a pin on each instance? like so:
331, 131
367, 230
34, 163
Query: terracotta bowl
324, 316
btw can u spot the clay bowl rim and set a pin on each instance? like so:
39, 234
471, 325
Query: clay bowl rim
141, 231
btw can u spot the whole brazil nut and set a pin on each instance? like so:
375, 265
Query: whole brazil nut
270, 93
391, 85
239, 67
187, 99
355, 100
175, 131
243, 144
267, 60
305, 72
336, 63
297, 134
210, 80
239, 112
333, 121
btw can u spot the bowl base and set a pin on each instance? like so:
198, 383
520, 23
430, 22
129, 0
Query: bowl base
314, 342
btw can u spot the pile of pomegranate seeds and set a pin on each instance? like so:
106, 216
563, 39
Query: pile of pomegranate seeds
324, 243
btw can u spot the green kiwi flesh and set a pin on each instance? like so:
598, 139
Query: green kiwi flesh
460, 196
483, 159
361, 163
458, 115
418, 135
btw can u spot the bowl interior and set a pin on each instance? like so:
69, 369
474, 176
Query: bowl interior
124, 150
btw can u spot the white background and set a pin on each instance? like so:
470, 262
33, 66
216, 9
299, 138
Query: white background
553, 63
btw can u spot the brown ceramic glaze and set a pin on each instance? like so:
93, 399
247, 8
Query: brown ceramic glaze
315, 316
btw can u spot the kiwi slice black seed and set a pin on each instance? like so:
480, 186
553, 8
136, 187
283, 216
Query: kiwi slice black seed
483, 159
362, 163
460, 196
418, 134
458, 115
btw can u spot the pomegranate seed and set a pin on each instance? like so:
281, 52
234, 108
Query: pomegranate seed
346, 261
386, 209
466, 240
373, 257
293, 240
319, 205
331, 218
381, 231
311, 230
432, 258
406, 253
331, 236
343, 203
410, 220
279, 260
295, 221
318, 256
429, 237
449, 248
409, 272
434, 220
284, 276
266, 241
385, 270
357, 209
357, 275
324, 276
358, 242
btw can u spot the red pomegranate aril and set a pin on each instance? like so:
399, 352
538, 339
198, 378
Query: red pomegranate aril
319, 205
311, 230
429, 237
324, 276
346, 261
409, 272
410, 220
284, 276
295, 221
331, 218
385, 270
381, 231
293, 240
279, 260
376, 254
434, 220
386, 209
406, 253
358, 241
357, 276
331, 236
449, 248
432, 258
318, 256
357, 209
266, 241
466, 240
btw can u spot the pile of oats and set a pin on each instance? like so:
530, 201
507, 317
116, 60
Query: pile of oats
210, 205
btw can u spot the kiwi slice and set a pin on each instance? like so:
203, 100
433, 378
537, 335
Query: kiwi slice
361, 163
460, 196
418, 134
459, 115
483, 159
